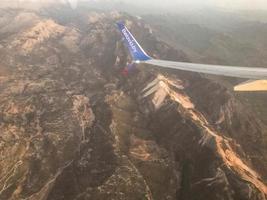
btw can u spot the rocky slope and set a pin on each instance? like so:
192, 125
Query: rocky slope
219, 37
73, 127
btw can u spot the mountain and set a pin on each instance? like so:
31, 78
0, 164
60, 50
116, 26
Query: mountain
218, 38
74, 127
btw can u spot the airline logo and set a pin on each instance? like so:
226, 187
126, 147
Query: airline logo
129, 40
135, 49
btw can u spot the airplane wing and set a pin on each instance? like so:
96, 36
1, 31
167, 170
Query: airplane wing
140, 56
232, 71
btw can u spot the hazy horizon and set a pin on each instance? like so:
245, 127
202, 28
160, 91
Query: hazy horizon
221, 4
225, 4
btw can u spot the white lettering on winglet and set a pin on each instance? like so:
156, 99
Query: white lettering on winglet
128, 38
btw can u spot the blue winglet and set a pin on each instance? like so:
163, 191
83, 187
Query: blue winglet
137, 52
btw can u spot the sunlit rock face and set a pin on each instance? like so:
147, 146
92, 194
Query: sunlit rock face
73, 127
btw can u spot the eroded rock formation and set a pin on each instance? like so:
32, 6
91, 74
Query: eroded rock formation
73, 127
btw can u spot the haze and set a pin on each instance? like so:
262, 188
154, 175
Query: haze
222, 4
225, 4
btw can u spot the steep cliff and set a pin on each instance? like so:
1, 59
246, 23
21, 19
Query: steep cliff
73, 127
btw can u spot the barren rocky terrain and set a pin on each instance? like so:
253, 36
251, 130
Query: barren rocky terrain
73, 127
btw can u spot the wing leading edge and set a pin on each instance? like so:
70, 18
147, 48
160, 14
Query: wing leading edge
140, 56
231, 71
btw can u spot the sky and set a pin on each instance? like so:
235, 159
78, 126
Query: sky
225, 4
238, 4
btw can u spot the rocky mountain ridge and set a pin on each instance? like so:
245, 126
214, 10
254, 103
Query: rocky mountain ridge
73, 127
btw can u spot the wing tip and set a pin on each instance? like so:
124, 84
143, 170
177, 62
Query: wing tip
250, 86
137, 52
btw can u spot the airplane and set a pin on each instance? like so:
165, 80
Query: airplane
257, 76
